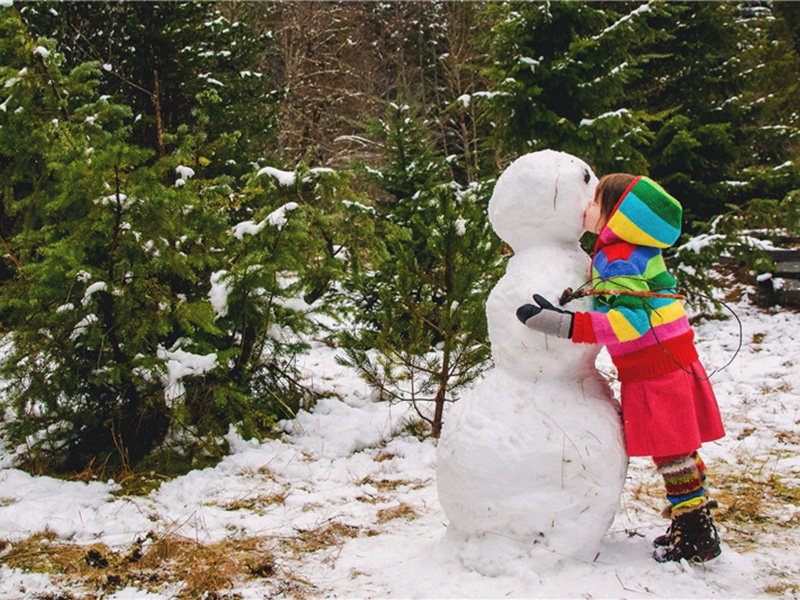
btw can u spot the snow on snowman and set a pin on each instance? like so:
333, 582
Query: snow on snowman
532, 462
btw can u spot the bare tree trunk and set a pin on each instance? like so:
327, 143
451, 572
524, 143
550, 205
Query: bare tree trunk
441, 397
157, 104
12, 257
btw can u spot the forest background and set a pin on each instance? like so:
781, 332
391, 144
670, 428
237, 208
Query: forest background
190, 190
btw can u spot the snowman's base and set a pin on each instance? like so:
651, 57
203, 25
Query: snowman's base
496, 555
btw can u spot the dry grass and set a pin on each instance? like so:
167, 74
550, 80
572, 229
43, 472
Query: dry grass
746, 432
196, 570
256, 504
390, 485
401, 511
386, 485
783, 588
788, 437
327, 536
782, 388
171, 563
742, 502
752, 503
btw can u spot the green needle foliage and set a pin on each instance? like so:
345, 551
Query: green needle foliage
421, 302
128, 267
156, 270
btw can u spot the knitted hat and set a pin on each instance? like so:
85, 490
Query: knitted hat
646, 215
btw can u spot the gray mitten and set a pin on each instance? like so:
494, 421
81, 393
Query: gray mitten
546, 318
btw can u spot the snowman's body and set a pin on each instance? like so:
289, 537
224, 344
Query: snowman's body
532, 461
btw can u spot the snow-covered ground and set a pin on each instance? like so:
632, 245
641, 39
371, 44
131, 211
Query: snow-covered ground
350, 472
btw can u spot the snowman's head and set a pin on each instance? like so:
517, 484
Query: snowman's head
540, 199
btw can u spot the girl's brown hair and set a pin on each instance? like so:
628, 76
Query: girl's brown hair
610, 188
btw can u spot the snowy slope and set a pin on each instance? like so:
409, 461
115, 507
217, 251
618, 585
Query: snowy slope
349, 464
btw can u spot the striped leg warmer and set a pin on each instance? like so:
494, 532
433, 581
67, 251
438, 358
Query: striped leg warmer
701, 466
684, 479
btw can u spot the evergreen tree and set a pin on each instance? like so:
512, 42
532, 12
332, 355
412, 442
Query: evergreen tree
561, 71
421, 301
255, 325
292, 235
166, 60
122, 258
30, 102
88, 308
773, 134
720, 130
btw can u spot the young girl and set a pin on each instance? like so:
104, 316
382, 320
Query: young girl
668, 406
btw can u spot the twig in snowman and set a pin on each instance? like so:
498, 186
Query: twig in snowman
569, 294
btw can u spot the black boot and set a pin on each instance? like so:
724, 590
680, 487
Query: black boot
692, 536
666, 539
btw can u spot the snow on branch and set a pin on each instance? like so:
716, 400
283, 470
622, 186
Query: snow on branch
276, 218
617, 113
285, 178
644, 8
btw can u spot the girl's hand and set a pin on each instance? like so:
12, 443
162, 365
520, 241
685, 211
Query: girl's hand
546, 318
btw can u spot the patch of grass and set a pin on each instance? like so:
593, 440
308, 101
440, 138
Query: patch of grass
746, 432
742, 502
747, 500
401, 511
208, 569
162, 464
36, 553
788, 437
7, 502
786, 493
390, 485
418, 428
332, 534
256, 504
782, 588
371, 499
781, 388
205, 570
650, 493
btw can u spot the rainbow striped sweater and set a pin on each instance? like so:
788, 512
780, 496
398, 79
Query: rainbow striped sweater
646, 337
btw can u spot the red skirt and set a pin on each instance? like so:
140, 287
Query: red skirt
671, 414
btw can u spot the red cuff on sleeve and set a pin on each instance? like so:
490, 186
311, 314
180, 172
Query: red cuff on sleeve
582, 330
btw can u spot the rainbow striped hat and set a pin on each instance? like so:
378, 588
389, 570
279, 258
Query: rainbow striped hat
645, 215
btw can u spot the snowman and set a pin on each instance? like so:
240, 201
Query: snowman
532, 461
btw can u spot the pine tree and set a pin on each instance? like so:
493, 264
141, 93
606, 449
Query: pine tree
122, 257
88, 311
166, 60
421, 301
254, 334
561, 72
720, 133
